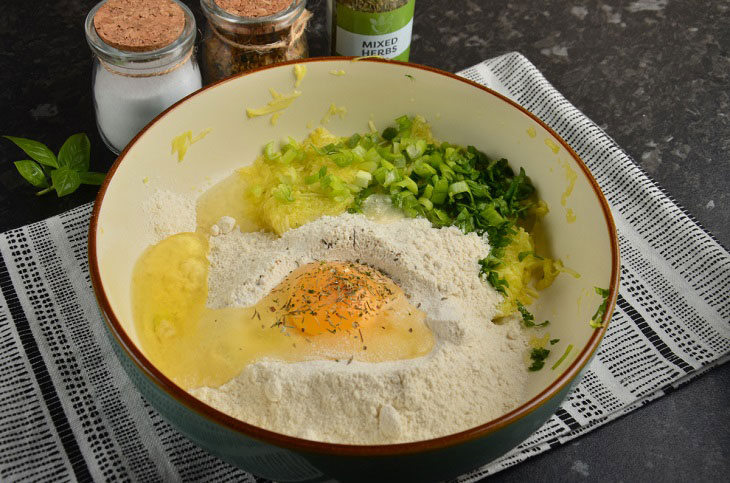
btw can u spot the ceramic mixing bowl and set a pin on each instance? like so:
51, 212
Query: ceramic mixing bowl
579, 229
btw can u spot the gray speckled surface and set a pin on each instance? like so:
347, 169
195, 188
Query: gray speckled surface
655, 74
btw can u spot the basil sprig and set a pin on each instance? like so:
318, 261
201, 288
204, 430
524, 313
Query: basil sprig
62, 173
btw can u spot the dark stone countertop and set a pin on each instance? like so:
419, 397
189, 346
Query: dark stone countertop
654, 74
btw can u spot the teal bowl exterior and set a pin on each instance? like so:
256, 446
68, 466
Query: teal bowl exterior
279, 463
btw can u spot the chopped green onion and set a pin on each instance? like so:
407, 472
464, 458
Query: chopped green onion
390, 133
290, 143
367, 142
427, 192
440, 215
289, 156
269, 152
404, 124
440, 191
390, 177
368, 166
283, 193
422, 169
386, 164
386, 153
458, 187
326, 181
426, 203
359, 152
491, 216
408, 184
416, 150
562, 358
363, 178
446, 172
435, 159
399, 161
353, 140
342, 159
372, 155
379, 175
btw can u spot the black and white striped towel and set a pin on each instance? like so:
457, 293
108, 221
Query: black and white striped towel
68, 411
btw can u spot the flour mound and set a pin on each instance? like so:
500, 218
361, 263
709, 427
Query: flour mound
475, 373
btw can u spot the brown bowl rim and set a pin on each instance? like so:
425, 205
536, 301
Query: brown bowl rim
291, 442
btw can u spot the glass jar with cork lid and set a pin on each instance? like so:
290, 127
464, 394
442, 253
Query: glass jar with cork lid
241, 35
143, 63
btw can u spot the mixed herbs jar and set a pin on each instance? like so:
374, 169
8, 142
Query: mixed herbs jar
371, 27
241, 35
143, 63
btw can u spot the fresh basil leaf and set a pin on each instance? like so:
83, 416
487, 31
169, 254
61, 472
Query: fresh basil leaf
32, 172
91, 177
35, 150
65, 181
75, 153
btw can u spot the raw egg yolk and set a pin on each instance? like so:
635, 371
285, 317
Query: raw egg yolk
328, 297
345, 310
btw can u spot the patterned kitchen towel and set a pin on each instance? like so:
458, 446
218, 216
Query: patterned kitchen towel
68, 411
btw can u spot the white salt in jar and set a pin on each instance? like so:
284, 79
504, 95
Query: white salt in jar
143, 63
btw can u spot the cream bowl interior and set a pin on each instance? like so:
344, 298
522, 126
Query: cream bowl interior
377, 91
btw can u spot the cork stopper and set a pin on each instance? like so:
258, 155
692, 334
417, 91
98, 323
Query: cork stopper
253, 8
139, 25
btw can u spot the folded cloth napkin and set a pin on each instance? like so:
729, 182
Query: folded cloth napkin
69, 412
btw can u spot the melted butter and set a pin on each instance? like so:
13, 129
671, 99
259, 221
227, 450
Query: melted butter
226, 199
368, 319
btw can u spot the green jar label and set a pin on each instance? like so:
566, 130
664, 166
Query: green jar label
387, 34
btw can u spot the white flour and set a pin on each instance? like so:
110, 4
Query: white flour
475, 373
169, 213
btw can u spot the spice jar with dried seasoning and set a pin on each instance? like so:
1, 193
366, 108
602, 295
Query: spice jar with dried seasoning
371, 27
241, 35
143, 63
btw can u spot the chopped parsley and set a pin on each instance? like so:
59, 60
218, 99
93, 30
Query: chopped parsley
538, 356
596, 320
527, 318
522, 255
